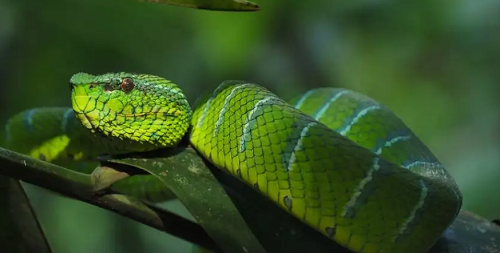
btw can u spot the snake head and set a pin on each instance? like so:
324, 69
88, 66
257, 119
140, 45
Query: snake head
130, 112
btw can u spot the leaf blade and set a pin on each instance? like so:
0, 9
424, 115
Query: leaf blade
191, 181
215, 5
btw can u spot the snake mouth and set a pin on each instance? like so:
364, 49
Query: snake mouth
87, 123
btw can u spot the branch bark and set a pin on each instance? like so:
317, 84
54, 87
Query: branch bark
78, 186
20, 230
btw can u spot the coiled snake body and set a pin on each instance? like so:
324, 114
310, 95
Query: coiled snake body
335, 159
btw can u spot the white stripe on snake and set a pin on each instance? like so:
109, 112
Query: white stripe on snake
326, 105
225, 106
250, 118
359, 116
298, 146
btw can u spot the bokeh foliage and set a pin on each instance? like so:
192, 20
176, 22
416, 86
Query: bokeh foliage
434, 63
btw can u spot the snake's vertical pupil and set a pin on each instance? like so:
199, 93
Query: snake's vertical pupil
127, 84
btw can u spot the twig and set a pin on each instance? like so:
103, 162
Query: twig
20, 230
78, 186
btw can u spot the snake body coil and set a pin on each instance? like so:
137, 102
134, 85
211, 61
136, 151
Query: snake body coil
335, 159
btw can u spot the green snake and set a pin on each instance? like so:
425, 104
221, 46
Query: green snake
333, 158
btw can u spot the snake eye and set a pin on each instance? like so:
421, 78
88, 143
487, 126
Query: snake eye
127, 84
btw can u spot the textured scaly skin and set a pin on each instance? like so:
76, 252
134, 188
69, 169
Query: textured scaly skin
379, 190
342, 189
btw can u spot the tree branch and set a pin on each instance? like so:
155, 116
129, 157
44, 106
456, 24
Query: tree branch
78, 186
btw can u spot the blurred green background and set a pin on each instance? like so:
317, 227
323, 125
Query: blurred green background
436, 64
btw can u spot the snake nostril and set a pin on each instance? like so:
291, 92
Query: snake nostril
70, 85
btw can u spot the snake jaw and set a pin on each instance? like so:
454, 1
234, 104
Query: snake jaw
84, 107
84, 120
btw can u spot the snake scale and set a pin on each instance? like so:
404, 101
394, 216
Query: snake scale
333, 158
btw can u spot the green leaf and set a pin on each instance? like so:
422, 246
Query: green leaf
19, 228
191, 181
229, 210
220, 5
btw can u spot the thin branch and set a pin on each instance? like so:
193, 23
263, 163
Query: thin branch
78, 186
20, 230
